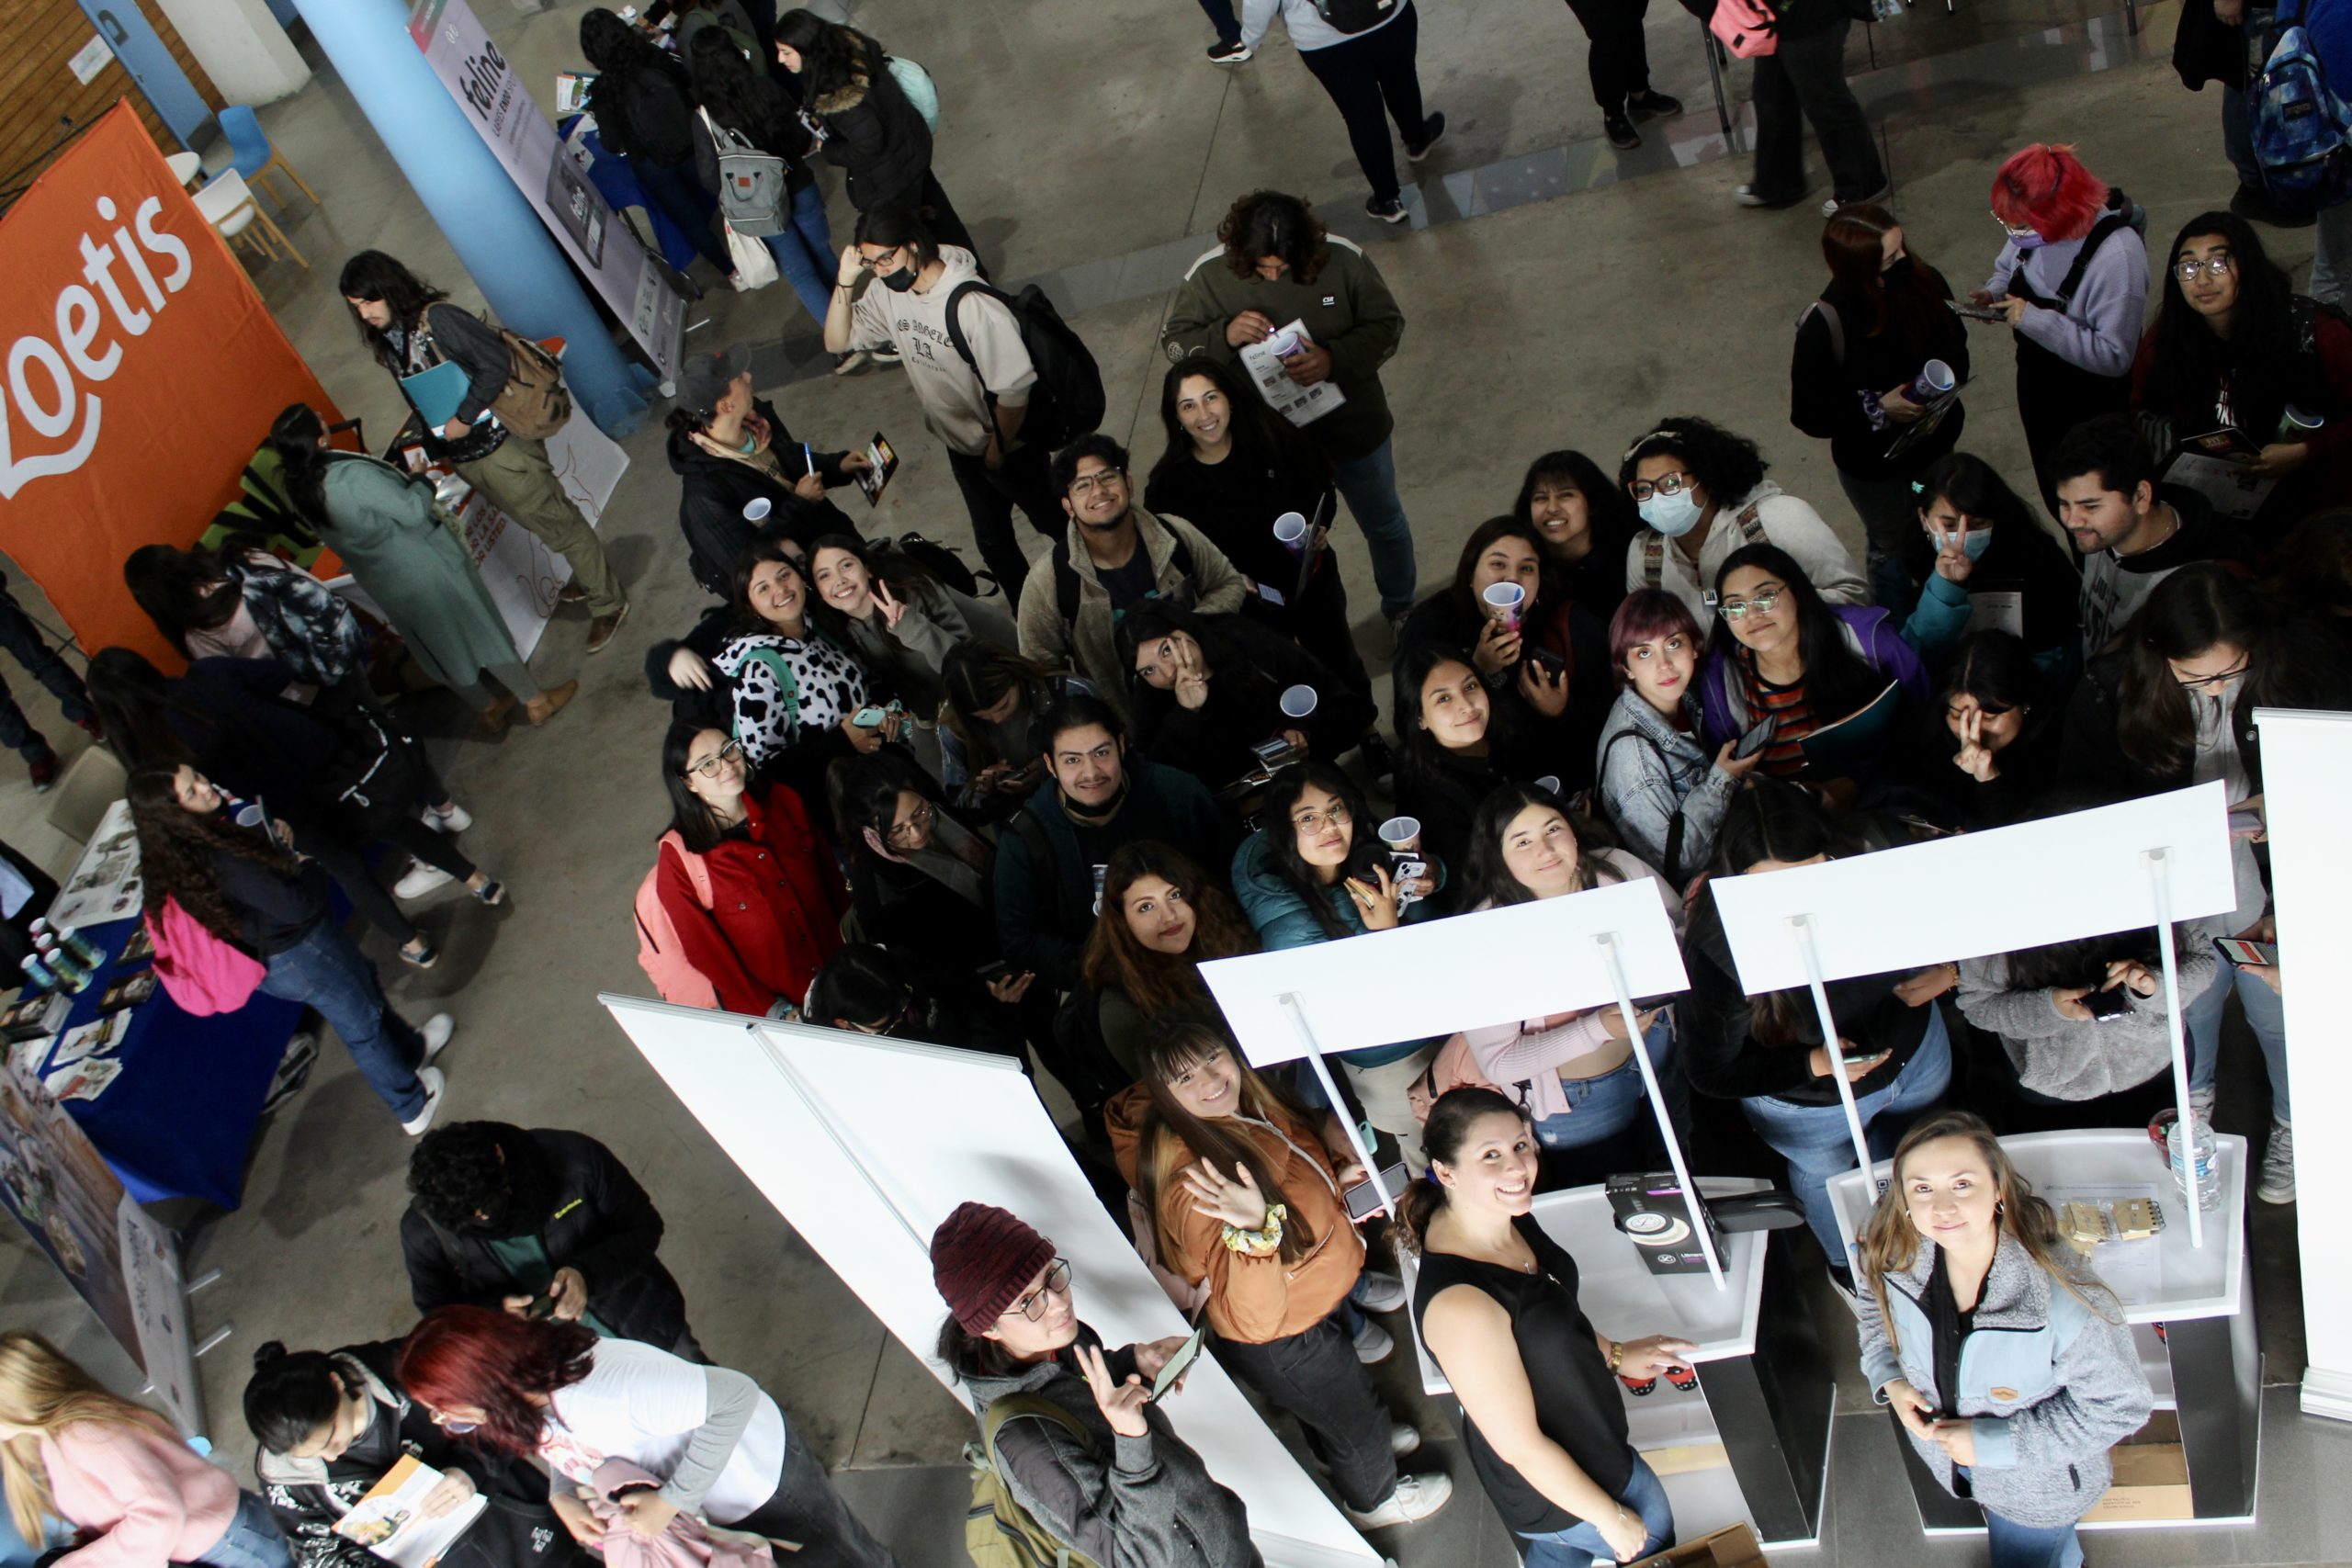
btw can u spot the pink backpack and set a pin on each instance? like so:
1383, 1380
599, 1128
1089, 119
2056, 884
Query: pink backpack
1747, 28
202, 974
659, 951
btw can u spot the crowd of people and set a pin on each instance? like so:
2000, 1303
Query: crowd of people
1016, 808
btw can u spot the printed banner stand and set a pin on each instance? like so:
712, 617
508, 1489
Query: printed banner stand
1582, 950
2117, 868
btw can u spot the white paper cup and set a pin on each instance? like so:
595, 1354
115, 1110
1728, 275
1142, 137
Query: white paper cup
756, 510
1291, 529
1549, 784
1298, 702
1401, 834
1504, 601
1284, 343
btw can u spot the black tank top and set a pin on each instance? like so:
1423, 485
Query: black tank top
1577, 1402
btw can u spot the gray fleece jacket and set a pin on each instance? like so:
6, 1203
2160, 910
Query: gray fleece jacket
1143, 1502
2048, 1384
2069, 1058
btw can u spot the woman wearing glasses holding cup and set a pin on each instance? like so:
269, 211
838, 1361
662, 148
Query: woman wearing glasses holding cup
1101, 1471
1702, 494
1780, 654
750, 888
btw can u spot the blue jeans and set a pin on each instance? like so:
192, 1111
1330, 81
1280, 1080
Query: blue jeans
673, 188
253, 1539
325, 971
21, 637
804, 251
2265, 1014
2029, 1546
1221, 18
1813, 1138
1370, 484
1603, 1107
1581, 1546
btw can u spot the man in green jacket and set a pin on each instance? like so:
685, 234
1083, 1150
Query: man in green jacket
1278, 266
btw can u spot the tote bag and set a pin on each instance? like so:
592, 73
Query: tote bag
202, 974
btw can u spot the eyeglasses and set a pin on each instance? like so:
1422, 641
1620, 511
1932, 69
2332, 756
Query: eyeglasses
1737, 609
1033, 1305
1665, 484
2016, 231
2207, 682
1106, 479
877, 262
913, 827
2220, 265
1312, 822
709, 767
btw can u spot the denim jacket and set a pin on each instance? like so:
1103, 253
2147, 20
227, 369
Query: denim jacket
2048, 1383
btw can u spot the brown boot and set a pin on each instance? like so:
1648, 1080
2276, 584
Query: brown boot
601, 630
541, 708
496, 717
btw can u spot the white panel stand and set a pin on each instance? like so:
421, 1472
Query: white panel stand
1607, 942
2160, 890
1331, 1092
1802, 926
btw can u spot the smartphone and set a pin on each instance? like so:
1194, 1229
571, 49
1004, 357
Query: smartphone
1850, 1051
2244, 952
1177, 1363
1549, 660
541, 1306
1363, 1198
2105, 1004
1754, 740
1977, 312
869, 718
991, 973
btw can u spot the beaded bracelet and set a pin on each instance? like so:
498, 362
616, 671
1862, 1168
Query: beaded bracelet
1262, 1243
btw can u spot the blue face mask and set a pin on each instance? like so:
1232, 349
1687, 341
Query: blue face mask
1672, 515
2026, 239
1973, 542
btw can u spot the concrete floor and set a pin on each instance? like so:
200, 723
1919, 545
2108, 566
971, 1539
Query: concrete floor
1103, 149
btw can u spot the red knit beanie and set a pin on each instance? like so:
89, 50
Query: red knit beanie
982, 1259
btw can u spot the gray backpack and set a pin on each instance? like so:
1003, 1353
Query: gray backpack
754, 188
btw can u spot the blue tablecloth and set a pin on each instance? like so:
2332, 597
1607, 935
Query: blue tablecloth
618, 183
178, 1120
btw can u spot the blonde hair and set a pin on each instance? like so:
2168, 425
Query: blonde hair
41, 1390
1890, 1241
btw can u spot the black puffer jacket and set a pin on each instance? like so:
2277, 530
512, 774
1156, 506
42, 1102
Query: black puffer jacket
873, 133
715, 490
586, 1210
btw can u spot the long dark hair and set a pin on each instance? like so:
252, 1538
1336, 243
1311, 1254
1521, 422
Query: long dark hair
1235, 678
689, 816
294, 436
2083, 961
1172, 1137
830, 54
176, 851
2312, 567
292, 1394
1836, 679
1268, 223
1975, 489
134, 703
865, 791
739, 93
766, 550
373, 276
2258, 359
1442, 1136
1610, 510
1774, 820
890, 568
2287, 665
1258, 439
1726, 465
1465, 567
1154, 981
1364, 849
1997, 669
1483, 871
625, 60
976, 675
1909, 299
182, 591
1421, 753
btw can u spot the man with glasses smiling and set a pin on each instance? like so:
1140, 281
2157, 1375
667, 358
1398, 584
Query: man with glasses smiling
975, 407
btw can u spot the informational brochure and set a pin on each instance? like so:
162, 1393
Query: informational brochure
884, 459
1997, 610
2214, 466
389, 1521
572, 91
1262, 362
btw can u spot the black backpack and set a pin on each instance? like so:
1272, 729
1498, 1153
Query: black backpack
945, 563
1354, 16
1067, 401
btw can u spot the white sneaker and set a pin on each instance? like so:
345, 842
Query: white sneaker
421, 879
1378, 1293
436, 1031
456, 819
1372, 1343
2200, 1100
1415, 1499
434, 1084
2278, 1185
1404, 1437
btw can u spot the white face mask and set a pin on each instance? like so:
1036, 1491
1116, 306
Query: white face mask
1672, 515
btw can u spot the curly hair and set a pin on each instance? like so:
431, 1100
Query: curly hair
375, 277
176, 851
1728, 466
1155, 981
739, 94
470, 1355
1268, 223
458, 1173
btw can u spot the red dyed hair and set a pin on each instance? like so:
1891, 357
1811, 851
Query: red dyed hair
1647, 614
2048, 188
470, 1354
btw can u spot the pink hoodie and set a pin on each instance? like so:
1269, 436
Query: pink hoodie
155, 1499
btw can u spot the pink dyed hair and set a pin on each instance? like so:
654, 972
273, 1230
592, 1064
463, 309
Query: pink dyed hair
1647, 614
2048, 188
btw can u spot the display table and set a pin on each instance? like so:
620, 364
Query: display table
1765, 1393
2204, 1364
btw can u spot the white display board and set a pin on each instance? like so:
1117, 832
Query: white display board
1996, 891
2305, 759
820, 1121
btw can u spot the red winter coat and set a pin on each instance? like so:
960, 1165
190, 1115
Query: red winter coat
777, 905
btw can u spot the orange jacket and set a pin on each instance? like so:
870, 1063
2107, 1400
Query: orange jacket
1254, 1300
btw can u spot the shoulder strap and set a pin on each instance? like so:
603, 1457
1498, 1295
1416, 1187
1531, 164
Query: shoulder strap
1012, 1406
2103, 230
1065, 585
1674, 824
697, 868
955, 319
1835, 323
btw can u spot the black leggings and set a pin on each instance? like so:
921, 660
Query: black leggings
347, 863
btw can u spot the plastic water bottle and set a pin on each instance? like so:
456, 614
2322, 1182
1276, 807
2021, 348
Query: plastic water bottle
2209, 1179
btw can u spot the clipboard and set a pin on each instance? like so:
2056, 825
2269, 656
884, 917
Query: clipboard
435, 394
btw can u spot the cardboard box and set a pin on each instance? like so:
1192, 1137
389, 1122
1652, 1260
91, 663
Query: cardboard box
2150, 1477
1651, 1214
1732, 1547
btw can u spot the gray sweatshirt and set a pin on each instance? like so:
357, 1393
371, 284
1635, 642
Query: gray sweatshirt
2100, 329
1143, 1502
1309, 30
2069, 1058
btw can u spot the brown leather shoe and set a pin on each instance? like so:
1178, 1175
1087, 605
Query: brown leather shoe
601, 630
541, 708
571, 593
495, 717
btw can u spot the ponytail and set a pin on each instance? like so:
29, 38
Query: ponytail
1450, 1119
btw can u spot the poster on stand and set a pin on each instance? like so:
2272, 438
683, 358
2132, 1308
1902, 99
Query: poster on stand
481, 77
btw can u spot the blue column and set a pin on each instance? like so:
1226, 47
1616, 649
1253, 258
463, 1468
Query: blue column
496, 232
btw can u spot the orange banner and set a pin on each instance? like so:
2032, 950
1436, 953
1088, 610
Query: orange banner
142, 372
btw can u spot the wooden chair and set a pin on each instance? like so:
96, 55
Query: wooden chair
253, 155
228, 204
